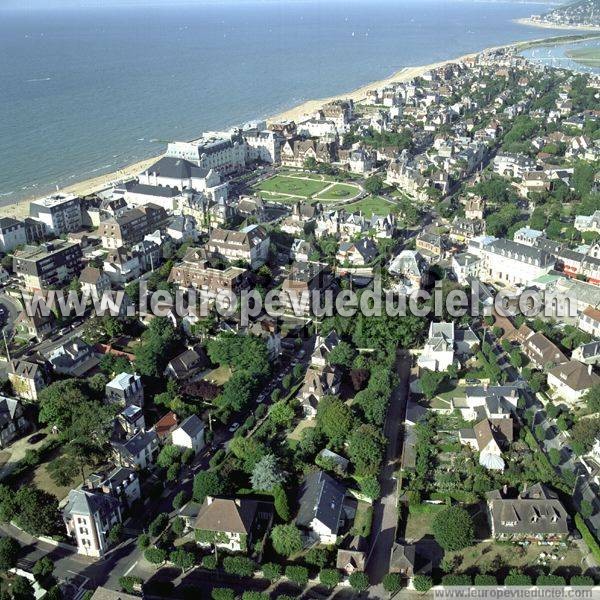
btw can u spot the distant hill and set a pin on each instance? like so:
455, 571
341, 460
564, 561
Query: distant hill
580, 12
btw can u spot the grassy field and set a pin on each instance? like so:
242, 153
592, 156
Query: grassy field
590, 57
295, 436
218, 376
302, 188
340, 191
372, 205
420, 519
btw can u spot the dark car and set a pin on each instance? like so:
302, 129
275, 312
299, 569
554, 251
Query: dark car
34, 439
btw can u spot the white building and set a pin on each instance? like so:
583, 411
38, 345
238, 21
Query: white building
464, 266
514, 264
125, 389
88, 518
190, 434
571, 380
59, 213
12, 234
263, 145
438, 353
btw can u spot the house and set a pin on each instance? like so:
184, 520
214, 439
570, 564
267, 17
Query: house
320, 382
489, 437
128, 422
301, 250
190, 434
234, 524
89, 517
571, 380
26, 378
137, 452
438, 353
305, 283
251, 245
125, 389
94, 282
37, 325
353, 557
359, 253
323, 510
102, 593
589, 321
332, 461
132, 226
475, 208
536, 514
165, 425
542, 352
182, 228
296, 151
121, 483
588, 223
323, 347
403, 559
12, 234
187, 364
431, 245
13, 423
466, 229
588, 354
465, 266
411, 268
481, 401
122, 265
74, 358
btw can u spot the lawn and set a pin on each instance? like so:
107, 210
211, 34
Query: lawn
503, 556
420, 519
302, 188
218, 376
363, 519
372, 205
339, 191
295, 436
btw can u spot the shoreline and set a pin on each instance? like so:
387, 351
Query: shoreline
20, 208
542, 25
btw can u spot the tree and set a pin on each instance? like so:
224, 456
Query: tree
297, 574
178, 526
280, 501
180, 500
430, 382
584, 433
281, 414
374, 184
485, 579
392, 582
159, 343
37, 511
422, 583
209, 483
453, 528
182, 559
22, 589
365, 449
342, 355
370, 487
158, 525
267, 474
129, 583
209, 561
9, 553
43, 569
515, 577
586, 509
582, 580
551, 579
359, 581
63, 469
169, 455
317, 556
272, 571
330, 577
249, 450
115, 534
154, 555
143, 540
222, 594
592, 398
334, 419
241, 566
286, 539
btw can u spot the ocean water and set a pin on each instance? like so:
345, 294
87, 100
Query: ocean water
88, 90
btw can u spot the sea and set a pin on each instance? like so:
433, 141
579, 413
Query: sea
88, 90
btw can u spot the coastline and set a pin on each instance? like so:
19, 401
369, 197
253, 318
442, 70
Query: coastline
20, 209
540, 25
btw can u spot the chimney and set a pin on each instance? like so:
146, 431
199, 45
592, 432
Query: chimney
589, 369
209, 499
504, 489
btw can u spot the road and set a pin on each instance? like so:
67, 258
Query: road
385, 511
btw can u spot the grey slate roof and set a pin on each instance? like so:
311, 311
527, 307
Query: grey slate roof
176, 168
321, 498
193, 426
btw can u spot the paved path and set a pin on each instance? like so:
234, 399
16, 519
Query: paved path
385, 513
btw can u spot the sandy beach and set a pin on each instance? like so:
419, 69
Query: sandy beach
531, 23
302, 111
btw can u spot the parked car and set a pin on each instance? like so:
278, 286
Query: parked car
233, 427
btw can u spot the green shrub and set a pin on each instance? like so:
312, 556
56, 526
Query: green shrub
330, 577
255, 596
481, 579
392, 582
272, 571
422, 583
515, 577
587, 536
239, 565
297, 574
129, 583
222, 594
154, 555
180, 500
582, 580
209, 562
143, 540
452, 579
158, 525
550, 580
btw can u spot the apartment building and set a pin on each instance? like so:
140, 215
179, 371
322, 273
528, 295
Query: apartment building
131, 227
59, 213
13, 233
48, 265
250, 244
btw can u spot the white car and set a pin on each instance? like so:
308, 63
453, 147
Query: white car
233, 427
